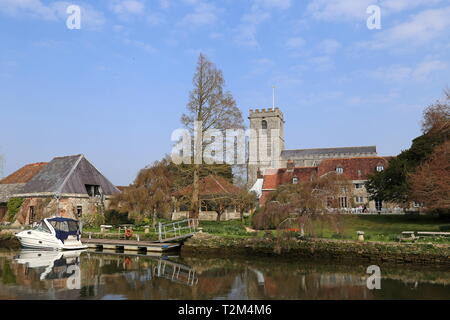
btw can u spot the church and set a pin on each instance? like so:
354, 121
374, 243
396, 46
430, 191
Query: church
271, 165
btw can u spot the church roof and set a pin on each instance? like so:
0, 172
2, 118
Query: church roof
351, 151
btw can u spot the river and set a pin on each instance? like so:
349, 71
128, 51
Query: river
28, 274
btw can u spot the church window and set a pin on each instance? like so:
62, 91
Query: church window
264, 124
339, 170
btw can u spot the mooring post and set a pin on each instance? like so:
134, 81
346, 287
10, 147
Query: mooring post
159, 232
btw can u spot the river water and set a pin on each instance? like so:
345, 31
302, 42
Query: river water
27, 274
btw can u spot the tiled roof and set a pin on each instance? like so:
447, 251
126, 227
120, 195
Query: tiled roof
302, 153
354, 168
24, 174
285, 176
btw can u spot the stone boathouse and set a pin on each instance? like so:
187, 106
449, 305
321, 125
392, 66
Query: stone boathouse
68, 186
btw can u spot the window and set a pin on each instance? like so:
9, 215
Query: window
379, 205
295, 180
32, 215
340, 170
79, 211
343, 202
417, 204
359, 199
380, 168
93, 190
359, 185
264, 124
42, 227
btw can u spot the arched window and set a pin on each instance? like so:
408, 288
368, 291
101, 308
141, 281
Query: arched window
339, 170
380, 168
295, 180
264, 124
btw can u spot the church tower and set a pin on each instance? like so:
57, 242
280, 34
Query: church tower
266, 141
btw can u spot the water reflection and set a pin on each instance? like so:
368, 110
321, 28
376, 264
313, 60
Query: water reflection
31, 274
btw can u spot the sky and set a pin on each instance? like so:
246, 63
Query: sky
115, 89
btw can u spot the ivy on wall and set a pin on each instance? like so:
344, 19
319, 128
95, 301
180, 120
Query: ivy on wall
14, 205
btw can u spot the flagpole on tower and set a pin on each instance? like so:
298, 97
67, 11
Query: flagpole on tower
273, 97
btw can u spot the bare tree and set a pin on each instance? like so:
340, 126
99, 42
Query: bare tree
209, 107
304, 202
437, 116
150, 194
245, 201
430, 184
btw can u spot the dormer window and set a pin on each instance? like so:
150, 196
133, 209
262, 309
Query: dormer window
294, 180
380, 168
93, 190
264, 124
339, 170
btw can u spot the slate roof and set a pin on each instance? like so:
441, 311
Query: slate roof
7, 190
68, 175
304, 153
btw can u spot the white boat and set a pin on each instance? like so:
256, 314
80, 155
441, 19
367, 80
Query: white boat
55, 233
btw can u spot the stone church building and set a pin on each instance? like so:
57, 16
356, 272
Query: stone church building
271, 165
269, 121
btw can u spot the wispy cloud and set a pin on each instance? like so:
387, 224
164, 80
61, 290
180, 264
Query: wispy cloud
203, 13
423, 71
127, 7
260, 12
419, 29
55, 11
345, 10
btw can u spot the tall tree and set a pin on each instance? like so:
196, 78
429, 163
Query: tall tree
213, 108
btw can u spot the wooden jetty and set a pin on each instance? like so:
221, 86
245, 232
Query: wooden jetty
170, 237
129, 245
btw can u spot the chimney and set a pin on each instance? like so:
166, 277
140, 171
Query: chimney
259, 174
290, 165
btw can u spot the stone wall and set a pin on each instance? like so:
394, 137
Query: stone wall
208, 216
47, 207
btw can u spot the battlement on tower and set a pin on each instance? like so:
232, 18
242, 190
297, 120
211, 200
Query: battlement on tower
266, 113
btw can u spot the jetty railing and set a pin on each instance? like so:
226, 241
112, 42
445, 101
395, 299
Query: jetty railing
178, 230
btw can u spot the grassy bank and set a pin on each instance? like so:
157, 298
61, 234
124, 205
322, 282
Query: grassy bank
376, 227
320, 249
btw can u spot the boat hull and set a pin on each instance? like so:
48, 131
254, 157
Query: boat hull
43, 243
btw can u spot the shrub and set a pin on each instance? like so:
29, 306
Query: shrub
116, 218
14, 205
269, 217
92, 220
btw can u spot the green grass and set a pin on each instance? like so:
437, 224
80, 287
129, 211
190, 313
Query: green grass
376, 228
379, 228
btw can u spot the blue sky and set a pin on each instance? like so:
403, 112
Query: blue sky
115, 89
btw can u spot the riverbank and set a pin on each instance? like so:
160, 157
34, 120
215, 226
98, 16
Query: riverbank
8, 240
321, 249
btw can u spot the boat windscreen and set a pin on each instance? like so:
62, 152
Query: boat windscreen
65, 228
